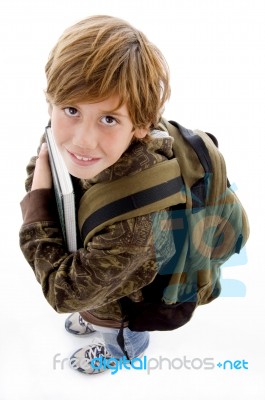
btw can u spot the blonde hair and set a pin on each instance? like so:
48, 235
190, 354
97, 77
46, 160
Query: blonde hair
102, 56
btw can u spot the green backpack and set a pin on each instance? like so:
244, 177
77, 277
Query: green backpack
214, 225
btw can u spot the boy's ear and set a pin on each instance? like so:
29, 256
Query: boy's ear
140, 133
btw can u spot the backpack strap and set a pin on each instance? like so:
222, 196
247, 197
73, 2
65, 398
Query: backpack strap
197, 144
150, 190
205, 160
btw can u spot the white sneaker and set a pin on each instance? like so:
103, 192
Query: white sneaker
82, 359
76, 325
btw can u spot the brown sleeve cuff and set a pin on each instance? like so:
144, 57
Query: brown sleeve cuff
39, 205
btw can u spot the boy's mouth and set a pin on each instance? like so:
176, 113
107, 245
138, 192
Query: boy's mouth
82, 159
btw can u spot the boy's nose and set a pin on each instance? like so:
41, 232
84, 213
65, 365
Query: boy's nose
85, 137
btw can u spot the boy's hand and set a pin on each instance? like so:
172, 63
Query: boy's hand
42, 178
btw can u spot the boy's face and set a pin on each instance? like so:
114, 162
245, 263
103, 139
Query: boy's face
91, 137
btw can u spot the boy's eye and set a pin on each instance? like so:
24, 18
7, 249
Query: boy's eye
71, 111
108, 120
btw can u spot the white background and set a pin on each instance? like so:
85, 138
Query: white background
216, 53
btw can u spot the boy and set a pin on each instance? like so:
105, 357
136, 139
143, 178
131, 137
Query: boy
106, 89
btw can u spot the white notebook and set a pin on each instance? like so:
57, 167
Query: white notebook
64, 192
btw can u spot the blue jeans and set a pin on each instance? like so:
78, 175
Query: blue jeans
135, 343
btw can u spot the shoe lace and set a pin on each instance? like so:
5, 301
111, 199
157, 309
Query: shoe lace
97, 350
85, 324
81, 321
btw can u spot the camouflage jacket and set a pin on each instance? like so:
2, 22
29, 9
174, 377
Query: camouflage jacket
118, 261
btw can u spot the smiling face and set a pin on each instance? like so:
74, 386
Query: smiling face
91, 136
